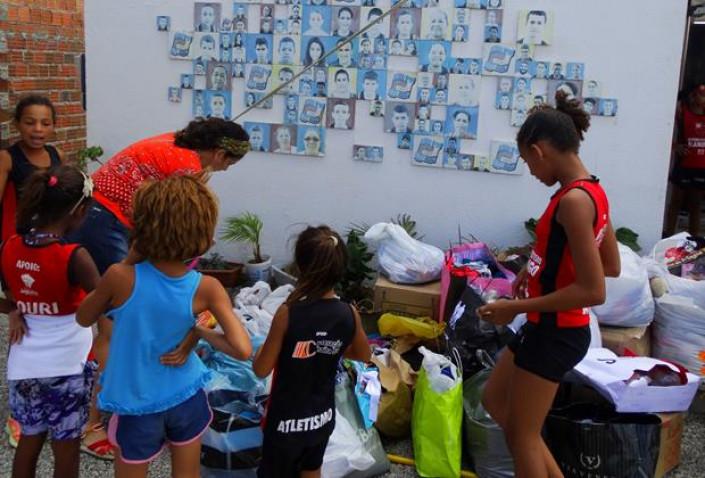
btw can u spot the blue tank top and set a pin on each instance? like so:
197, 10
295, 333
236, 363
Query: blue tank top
152, 321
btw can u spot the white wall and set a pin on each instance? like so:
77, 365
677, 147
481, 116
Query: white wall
632, 46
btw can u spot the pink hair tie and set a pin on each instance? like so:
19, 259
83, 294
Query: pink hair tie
53, 181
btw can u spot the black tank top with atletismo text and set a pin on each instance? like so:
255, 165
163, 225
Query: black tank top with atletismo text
302, 402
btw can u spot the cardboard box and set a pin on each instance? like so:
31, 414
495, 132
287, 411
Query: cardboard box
409, 300
669, 456
636, 339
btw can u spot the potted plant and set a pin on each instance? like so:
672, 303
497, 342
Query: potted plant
215, 265
88, 155
247, 227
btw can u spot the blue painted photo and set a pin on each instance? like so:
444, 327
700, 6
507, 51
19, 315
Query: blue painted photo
404, 140
575, 71
310, 141
345, 54
199, 104
460, 33
503, 100
317, 21
314, 48
311, 111
371, 84
434, 56
187, 81
540, 69
218, 104
608, 106
461, 122
497, 59
259, 49
259, 136
504, 158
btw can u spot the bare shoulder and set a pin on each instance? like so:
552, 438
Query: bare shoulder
5, 160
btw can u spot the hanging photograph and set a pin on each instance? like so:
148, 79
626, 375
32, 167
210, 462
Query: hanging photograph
435, 24
187, 81
504, 158
163, 23
283, 75
522, 85
434, 56
503, 100
206, 17
317, 21
218, 76
460, 33
345, 55
371, 84
342, 82
371, 154
206, 46
440, 91
593, 89
497, 58
535, 27
315, 48
406, 24
379, 30
286, 50
492, 4
311, 111
572, 90
575, 71
310, 141
346, 21
181, 46
257, 77
283, 138
428, 151
259, 136
591, 105
376, 108
462, 122
218, 104
199, 104
238, 70
174, 94
340, 113
404, 140
399, 117
253, 98
400, 85
540, 69
557, 72
464, 90
259, 49
608, 107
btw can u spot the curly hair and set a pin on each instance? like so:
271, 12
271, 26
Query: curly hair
563, 126
207, 134
174, 218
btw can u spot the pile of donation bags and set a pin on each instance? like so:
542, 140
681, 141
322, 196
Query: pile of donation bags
232, 444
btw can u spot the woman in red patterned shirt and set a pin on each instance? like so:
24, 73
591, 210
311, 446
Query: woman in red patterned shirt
207, 144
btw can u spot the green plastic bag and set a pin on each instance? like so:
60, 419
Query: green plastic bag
436, 424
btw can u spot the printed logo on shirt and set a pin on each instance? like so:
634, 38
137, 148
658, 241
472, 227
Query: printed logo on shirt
306, 424
309, 348
27, 266
534, 263
27, 280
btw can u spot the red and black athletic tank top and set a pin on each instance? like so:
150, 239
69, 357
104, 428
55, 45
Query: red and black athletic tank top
693, 135
301, 407
21, 170
38, 277
551, 264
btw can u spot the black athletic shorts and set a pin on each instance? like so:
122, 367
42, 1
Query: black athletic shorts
289, 459
688, 178
547, 350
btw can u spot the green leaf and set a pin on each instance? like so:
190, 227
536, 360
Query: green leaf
629, 238
247, 227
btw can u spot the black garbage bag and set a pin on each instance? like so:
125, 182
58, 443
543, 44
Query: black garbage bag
470, 337
590, 440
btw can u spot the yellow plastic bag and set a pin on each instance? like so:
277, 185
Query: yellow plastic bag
397, 326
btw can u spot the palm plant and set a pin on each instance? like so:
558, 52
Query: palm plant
247, 227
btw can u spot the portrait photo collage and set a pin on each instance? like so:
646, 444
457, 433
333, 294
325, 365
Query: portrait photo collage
241, 52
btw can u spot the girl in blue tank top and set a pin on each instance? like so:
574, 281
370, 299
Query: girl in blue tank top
153, 300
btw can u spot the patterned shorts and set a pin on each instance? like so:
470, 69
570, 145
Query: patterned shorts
58, 405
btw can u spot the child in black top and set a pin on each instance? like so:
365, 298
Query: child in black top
309, 334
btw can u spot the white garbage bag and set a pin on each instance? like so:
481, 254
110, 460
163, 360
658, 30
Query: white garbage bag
276, 298
402, 258
629, 301
254, 295
442, 372
345, 452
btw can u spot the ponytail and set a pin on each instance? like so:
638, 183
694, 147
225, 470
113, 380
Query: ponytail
322, 259
564, 125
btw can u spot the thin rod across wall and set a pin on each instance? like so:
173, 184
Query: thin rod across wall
348, 39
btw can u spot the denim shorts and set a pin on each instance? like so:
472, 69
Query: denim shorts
57, 405
103, 235
141, 438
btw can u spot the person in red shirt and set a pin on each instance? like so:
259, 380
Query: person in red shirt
688, 174
50, 374
204, 145
575, 250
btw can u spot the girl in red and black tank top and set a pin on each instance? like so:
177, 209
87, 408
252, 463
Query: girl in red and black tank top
688, 174
575, 249
34, 119
50, 376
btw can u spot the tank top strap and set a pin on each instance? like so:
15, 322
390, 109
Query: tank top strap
54, 156
149, 278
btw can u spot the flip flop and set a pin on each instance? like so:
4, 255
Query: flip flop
12, 428
101, 449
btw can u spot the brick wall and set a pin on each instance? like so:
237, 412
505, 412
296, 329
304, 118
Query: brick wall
40, 46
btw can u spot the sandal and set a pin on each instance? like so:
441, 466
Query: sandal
101, 448
12, 428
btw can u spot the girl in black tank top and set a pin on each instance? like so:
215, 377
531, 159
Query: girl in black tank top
34, 119
309, 335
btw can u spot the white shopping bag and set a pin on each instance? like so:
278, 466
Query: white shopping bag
610, 375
